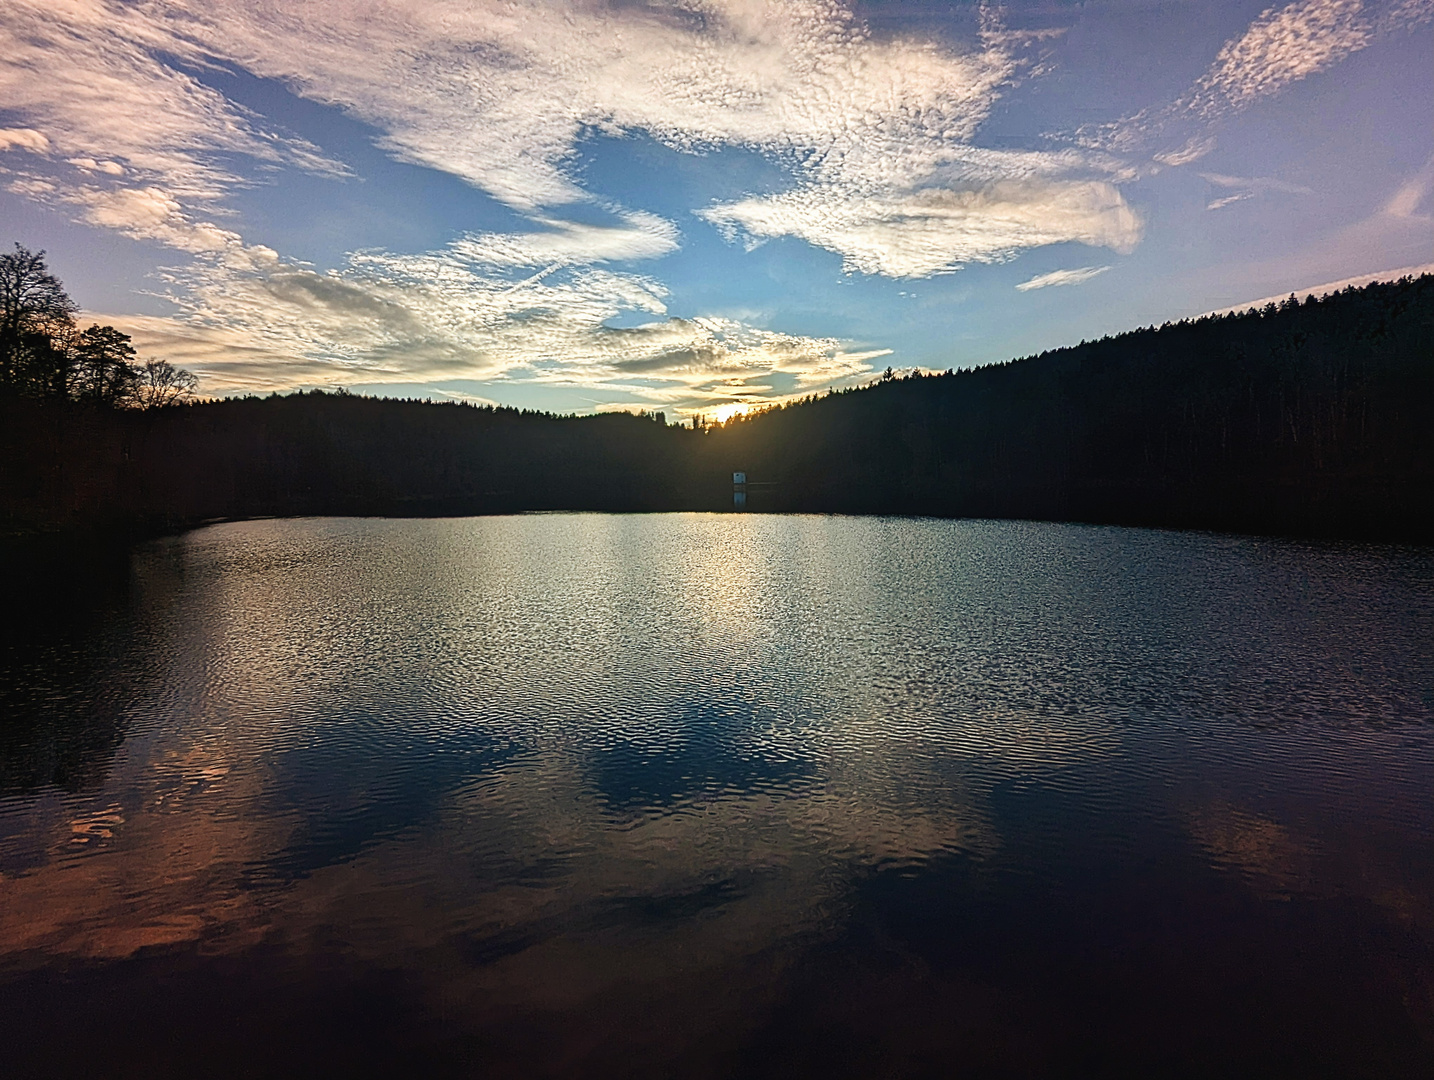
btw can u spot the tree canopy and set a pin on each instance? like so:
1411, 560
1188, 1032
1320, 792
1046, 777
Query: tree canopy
44, 353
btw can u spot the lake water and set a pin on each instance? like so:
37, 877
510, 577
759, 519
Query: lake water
723, 795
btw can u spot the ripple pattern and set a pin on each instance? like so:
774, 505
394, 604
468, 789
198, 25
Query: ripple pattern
548, 761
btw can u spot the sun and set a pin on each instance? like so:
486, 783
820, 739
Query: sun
723, 413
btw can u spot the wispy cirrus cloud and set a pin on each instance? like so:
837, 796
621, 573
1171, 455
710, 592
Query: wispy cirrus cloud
1305, 291
1241, 188
918, 233
1282, 46
1062, 277
638, 235
91, 78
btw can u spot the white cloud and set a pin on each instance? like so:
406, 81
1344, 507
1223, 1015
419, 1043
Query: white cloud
875, 134
500, 94
1254, 183
109, 168
1228, 200
918, 233
23, 139
1248, 187
451, 314
88, 78
1413, 193
566, 243
1061, 277
1191, 150
1330, 287
1280, 47
153, 214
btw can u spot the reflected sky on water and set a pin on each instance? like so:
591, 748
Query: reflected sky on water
726, 795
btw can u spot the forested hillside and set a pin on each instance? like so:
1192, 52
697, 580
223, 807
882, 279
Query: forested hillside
1312, 418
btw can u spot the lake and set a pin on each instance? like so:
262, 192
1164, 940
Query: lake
723, 795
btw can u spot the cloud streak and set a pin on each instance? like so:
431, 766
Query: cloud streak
1242, 188
1281, 47
930, 231
564, 243
1061, 277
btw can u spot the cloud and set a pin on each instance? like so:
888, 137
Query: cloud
1254, 183
23, 139
1330, 287
153, 214
89, 80
871, 129
1191, 150
1227, 200
874, 133
1412, 194
919, 233
501, 97
109, 168
1279, 48
452, 313
499, 94
1061, 277
1244, 188
639, 236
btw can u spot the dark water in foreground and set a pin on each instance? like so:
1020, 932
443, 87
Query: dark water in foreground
724, 796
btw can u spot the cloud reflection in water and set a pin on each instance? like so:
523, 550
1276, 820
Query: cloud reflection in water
554, 762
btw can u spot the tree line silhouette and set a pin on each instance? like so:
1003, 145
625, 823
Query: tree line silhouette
44, 354
1313, 418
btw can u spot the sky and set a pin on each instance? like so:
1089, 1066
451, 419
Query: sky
697, 206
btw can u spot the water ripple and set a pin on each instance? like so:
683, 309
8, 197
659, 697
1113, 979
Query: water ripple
537, 743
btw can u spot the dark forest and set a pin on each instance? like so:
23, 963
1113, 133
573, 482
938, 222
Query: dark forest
1310, 419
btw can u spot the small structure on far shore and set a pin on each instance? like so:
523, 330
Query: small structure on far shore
739, 491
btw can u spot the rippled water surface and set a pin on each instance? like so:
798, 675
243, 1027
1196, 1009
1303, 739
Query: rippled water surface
700, 795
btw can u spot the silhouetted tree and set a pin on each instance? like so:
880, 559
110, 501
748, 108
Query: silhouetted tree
43, 354
104, 367
35, 316
162, 384
47, 353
